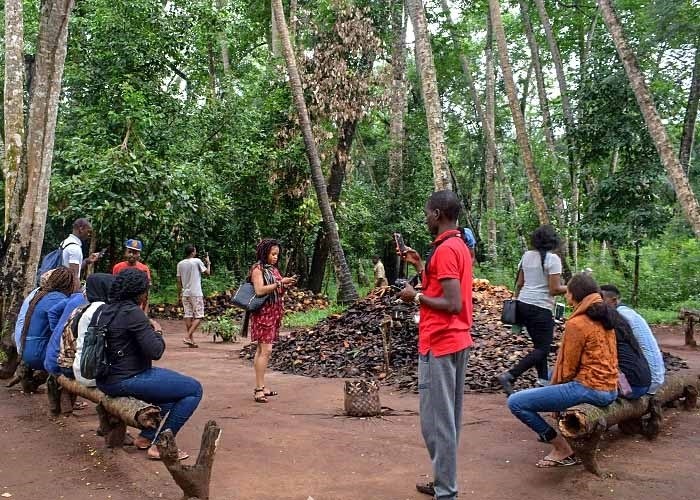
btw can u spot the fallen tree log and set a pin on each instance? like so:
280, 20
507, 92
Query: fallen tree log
115, 413
583, 425
194, 479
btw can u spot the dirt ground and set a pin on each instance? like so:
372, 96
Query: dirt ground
298, 446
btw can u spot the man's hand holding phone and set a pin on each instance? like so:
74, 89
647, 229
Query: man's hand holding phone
407, 253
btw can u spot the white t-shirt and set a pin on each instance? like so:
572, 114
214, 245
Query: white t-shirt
72, 254
190, 273
535, 291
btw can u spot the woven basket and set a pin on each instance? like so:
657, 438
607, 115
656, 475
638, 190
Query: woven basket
362, 398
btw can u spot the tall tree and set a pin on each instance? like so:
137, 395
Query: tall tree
346, 288
518, 118
223, 41
398, 97
24, 234
657, 131
490, 125
431, 97
691, 115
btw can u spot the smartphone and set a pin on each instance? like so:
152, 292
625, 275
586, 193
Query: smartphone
103, 252
400, 245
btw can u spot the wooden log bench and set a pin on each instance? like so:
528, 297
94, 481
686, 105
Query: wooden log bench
689, 317
583, 425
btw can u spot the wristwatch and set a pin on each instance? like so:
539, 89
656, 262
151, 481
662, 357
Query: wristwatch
416, 298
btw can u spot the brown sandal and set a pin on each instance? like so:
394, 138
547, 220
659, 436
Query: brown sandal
259, 395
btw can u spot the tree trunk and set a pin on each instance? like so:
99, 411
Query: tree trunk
223, 42
334, 189
431, 98
398, 98
346, 288
274, 34
691, 114
518, 118
293, 6
574, 160
23, 241
13, 109
684, 192
490, 121
194, 479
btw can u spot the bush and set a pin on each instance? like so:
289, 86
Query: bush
224, 326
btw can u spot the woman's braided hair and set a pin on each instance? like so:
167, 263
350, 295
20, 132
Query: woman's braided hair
263, 249
129, 284
61, 280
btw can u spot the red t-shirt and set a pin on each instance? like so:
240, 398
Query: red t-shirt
440, 332
120, 266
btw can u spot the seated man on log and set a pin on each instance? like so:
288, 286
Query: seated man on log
635, 376
133, 342
585, 371
642, 332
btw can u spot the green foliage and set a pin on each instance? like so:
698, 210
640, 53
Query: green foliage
224, 327
308, 319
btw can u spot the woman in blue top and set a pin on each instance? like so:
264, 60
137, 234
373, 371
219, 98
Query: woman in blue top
538, 282
37, 330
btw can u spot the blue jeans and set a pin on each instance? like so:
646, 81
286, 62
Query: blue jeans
177, 395
526, 404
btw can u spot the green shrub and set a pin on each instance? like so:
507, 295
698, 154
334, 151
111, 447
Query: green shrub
225, 327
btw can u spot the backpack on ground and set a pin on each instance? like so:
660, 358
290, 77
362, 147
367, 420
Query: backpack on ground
94, 362
52, 260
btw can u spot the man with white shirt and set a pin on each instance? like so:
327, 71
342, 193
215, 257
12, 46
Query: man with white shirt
73, 248
189, 289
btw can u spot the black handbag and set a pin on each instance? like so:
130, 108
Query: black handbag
508, 314
246, 298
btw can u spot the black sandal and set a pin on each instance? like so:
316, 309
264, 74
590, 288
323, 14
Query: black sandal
262, 398
270, 393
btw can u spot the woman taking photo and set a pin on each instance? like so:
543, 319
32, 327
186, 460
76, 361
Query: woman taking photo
265, 322
133, 342
538, 282
585, 371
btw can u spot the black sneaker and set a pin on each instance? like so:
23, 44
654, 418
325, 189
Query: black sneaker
505, 380
426, 488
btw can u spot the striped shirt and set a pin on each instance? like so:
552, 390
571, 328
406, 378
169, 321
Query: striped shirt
647, 341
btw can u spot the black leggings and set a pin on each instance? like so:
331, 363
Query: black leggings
540, 326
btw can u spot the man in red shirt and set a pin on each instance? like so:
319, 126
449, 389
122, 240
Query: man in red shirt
443, 338
133, 258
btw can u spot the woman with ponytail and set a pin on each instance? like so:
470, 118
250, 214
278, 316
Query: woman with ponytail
265, 322
538, 282
36, 330
585, 372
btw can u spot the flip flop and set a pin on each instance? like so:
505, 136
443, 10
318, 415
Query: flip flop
547, 463
80, 405
189, 343
269, 393
181, 455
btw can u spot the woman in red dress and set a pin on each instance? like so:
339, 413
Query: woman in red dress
265, 322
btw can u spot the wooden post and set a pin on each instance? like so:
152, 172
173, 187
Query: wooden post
690, 317
192, 479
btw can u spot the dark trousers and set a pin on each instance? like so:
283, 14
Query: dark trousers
540, 326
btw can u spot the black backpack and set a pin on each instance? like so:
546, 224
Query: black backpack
94, 363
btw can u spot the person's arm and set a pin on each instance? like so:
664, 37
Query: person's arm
259, 283
179, 289
148, 334
413, 258
451, 299
519, 282
555, 285
55, 312
207, 266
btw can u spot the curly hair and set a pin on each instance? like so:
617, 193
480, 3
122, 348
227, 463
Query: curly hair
128, 285
61, 280
263, 249
544, 239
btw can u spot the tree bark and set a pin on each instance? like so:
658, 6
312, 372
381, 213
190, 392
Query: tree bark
490, 125
23, 240
274, 34
347, 292
657, 131
398, 98
431, 98
13, 108
691, 114
223, 42
194, 479
518, 118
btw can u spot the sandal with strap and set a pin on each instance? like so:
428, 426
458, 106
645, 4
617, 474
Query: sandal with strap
259, 395
269, 393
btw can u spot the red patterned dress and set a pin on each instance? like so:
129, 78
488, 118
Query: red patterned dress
265, 322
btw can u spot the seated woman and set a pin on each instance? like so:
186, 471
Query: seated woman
36, 330
631, 362
585, 370
133, 342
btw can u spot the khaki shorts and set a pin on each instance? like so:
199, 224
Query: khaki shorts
194, 306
